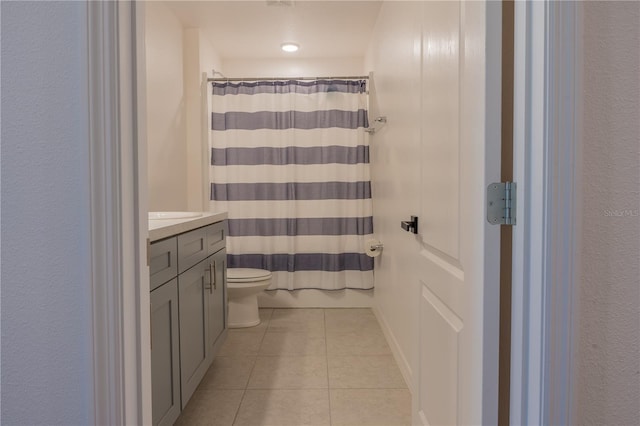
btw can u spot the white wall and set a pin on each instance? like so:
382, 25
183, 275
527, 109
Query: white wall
316, 67
166, 115
177, 115
394, 58
199, 58
46, 299
608, 376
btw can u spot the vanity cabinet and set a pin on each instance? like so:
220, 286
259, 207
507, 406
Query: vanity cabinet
188, 315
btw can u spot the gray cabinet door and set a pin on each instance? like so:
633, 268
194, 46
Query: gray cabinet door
217, 297
194, 299
165, 363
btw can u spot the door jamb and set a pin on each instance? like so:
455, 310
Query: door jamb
119, 230
547, 126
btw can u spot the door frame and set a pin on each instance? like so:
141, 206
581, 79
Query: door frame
119, 226
546, 135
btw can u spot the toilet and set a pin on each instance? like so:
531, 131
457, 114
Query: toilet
243, 287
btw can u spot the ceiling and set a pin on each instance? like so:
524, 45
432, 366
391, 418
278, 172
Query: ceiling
256, 29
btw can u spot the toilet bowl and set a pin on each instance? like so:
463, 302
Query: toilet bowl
243, 286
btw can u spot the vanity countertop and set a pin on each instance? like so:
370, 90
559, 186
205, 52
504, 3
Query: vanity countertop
163, 228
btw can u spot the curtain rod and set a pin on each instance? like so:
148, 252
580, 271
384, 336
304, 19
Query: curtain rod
353, 77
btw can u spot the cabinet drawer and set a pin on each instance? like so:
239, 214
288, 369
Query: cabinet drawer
163, 261
216, 234
192, 248
196, 245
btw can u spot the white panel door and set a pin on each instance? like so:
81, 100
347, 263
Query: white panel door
458, 268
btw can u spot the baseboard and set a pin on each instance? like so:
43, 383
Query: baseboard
312, 298
398, 355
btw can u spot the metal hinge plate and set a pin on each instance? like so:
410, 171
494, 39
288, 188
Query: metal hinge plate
501, 203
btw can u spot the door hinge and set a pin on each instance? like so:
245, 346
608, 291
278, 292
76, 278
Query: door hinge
501, 203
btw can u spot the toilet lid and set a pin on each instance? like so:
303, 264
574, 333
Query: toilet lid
247, 274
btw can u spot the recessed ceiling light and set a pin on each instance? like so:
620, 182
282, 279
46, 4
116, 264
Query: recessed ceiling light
289, 47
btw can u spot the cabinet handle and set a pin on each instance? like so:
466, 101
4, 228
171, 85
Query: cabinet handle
212, 278
207, 285
215, 275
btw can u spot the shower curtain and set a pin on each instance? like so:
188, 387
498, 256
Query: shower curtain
290, 165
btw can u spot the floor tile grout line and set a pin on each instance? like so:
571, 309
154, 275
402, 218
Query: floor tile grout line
292, 355
258, 353
326, 354
363, 388
255, 361
238, 409
206, 391
290, 388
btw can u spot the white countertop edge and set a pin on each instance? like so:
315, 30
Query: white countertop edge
164, 228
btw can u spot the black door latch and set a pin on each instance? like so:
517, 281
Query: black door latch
410, 226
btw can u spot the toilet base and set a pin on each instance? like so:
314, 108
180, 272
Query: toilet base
243, 312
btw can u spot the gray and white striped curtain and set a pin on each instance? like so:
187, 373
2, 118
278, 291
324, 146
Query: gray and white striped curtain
290, 165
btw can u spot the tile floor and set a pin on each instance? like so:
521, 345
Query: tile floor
303, 367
